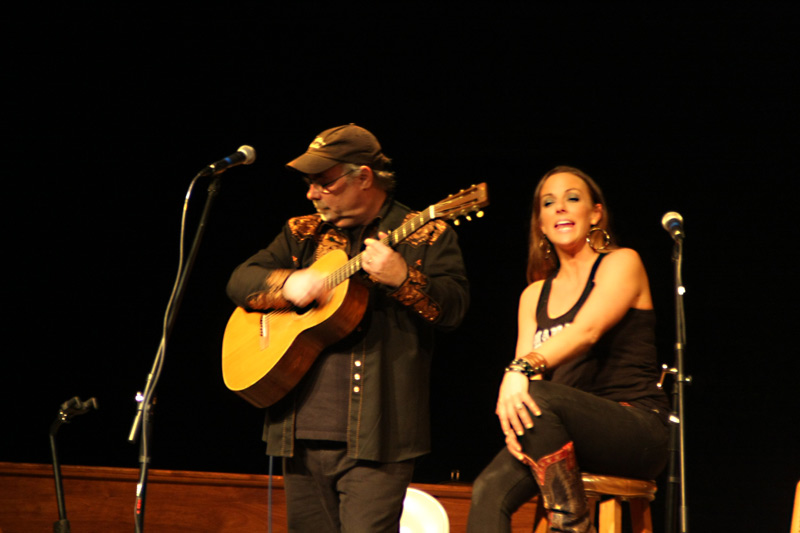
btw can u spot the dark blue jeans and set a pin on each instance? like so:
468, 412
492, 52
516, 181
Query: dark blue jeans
609, 438
328, 492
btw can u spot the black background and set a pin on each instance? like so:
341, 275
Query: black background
111, 112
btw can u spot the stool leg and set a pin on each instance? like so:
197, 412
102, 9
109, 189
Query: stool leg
593, 501
610, 516
641, 518
540, 524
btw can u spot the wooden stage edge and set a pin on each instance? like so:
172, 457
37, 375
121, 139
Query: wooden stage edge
101, 500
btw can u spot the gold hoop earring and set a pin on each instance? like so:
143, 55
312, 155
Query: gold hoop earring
544, 244
606, 239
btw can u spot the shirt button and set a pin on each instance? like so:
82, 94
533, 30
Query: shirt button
356, 389
357, 363
357, 377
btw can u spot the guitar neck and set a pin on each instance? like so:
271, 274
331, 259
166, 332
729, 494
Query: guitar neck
392, 239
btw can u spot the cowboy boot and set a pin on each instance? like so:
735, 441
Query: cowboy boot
562, 491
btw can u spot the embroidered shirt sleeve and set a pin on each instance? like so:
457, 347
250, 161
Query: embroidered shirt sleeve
427, 234
304, 227
271, 297
411, 294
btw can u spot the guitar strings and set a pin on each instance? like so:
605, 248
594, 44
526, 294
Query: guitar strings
355, 264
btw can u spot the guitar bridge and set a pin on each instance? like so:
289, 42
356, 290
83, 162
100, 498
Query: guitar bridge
263, 332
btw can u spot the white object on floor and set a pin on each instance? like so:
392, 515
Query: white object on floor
422, 513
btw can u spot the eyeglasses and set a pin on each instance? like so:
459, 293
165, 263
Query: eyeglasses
324, 188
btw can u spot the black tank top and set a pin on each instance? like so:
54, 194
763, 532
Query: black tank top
550, 326
622, 366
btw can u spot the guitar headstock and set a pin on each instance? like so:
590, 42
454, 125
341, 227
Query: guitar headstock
463, 203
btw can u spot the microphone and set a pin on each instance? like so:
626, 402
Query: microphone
74, 406
243, 156
673, 223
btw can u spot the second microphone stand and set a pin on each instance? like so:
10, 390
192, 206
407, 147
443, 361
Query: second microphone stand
676, 503
69, 409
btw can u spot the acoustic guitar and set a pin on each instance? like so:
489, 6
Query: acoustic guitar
264, 355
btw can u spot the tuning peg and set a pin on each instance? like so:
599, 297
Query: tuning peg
457, 222
479, 214
469, 218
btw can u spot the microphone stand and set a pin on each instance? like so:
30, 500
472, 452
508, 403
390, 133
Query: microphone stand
676, 478
146, 399
69, 409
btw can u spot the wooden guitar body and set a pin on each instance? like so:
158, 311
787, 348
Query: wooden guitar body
264, 355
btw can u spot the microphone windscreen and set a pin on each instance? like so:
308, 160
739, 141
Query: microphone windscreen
669, 218
249, 154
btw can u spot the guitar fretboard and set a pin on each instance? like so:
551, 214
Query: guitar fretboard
354, 265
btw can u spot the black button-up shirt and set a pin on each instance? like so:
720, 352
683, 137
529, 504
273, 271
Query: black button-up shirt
388, 354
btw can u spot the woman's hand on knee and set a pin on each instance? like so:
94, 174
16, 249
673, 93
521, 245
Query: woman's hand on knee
515, 406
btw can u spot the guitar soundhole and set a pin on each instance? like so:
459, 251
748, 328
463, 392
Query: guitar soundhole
306, 309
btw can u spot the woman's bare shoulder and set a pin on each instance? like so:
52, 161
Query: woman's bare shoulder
532, 292
624, 258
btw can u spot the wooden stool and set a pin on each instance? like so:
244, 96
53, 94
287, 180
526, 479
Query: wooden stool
610, 492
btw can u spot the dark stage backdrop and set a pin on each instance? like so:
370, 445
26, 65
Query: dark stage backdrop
112, 112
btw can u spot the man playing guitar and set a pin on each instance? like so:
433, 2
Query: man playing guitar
350, 429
